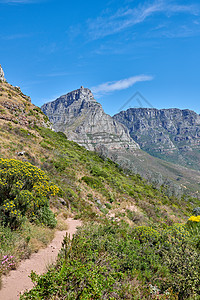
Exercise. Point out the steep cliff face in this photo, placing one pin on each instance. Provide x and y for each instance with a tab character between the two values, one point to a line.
171	134
83	120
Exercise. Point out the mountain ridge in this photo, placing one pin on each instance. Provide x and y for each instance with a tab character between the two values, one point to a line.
170	134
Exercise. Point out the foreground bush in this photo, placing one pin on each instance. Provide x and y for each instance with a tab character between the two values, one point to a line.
116	262
24	192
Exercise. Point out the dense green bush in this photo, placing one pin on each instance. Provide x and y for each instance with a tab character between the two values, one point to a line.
46	217
97	171
92	182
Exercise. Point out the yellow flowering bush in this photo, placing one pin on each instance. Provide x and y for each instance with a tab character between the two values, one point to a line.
24	191
176	231
194	219
146	233
193	225
169	236
11	213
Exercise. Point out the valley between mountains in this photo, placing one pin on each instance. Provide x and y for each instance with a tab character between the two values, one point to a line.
132	180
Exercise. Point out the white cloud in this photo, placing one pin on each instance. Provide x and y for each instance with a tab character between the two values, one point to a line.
122	84
128	17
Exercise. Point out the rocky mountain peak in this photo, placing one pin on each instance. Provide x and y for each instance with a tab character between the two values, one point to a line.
81	94
2	78
83	120
85	92
78	95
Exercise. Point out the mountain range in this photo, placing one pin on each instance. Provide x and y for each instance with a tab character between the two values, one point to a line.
161	145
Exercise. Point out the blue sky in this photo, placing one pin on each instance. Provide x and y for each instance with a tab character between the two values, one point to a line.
116	48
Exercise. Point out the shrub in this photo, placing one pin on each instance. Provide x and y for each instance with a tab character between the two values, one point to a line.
196	211
46	145
110	197
8	262
108	205
193	225
133	216
97	171
194	218
184	264
24	190
92	182
47	217
10	215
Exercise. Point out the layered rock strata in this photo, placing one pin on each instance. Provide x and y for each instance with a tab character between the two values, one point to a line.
84	121
171	134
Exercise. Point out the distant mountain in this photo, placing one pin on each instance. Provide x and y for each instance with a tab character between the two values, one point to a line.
170	134
84	121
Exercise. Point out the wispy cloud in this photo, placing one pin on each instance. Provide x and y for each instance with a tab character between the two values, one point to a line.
127	17
122	84
179	32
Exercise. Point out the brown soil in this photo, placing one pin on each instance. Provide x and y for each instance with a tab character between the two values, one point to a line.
18	281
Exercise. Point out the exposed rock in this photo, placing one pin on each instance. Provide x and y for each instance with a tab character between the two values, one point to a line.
171	134
99	202
17	108
2	78
62	201
21	153
83	120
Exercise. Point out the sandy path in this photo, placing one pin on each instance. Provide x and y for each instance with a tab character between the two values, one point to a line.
18	281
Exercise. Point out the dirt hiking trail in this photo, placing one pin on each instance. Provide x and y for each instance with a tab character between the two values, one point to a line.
18	281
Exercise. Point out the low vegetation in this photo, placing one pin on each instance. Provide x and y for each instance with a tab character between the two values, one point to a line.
115	261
